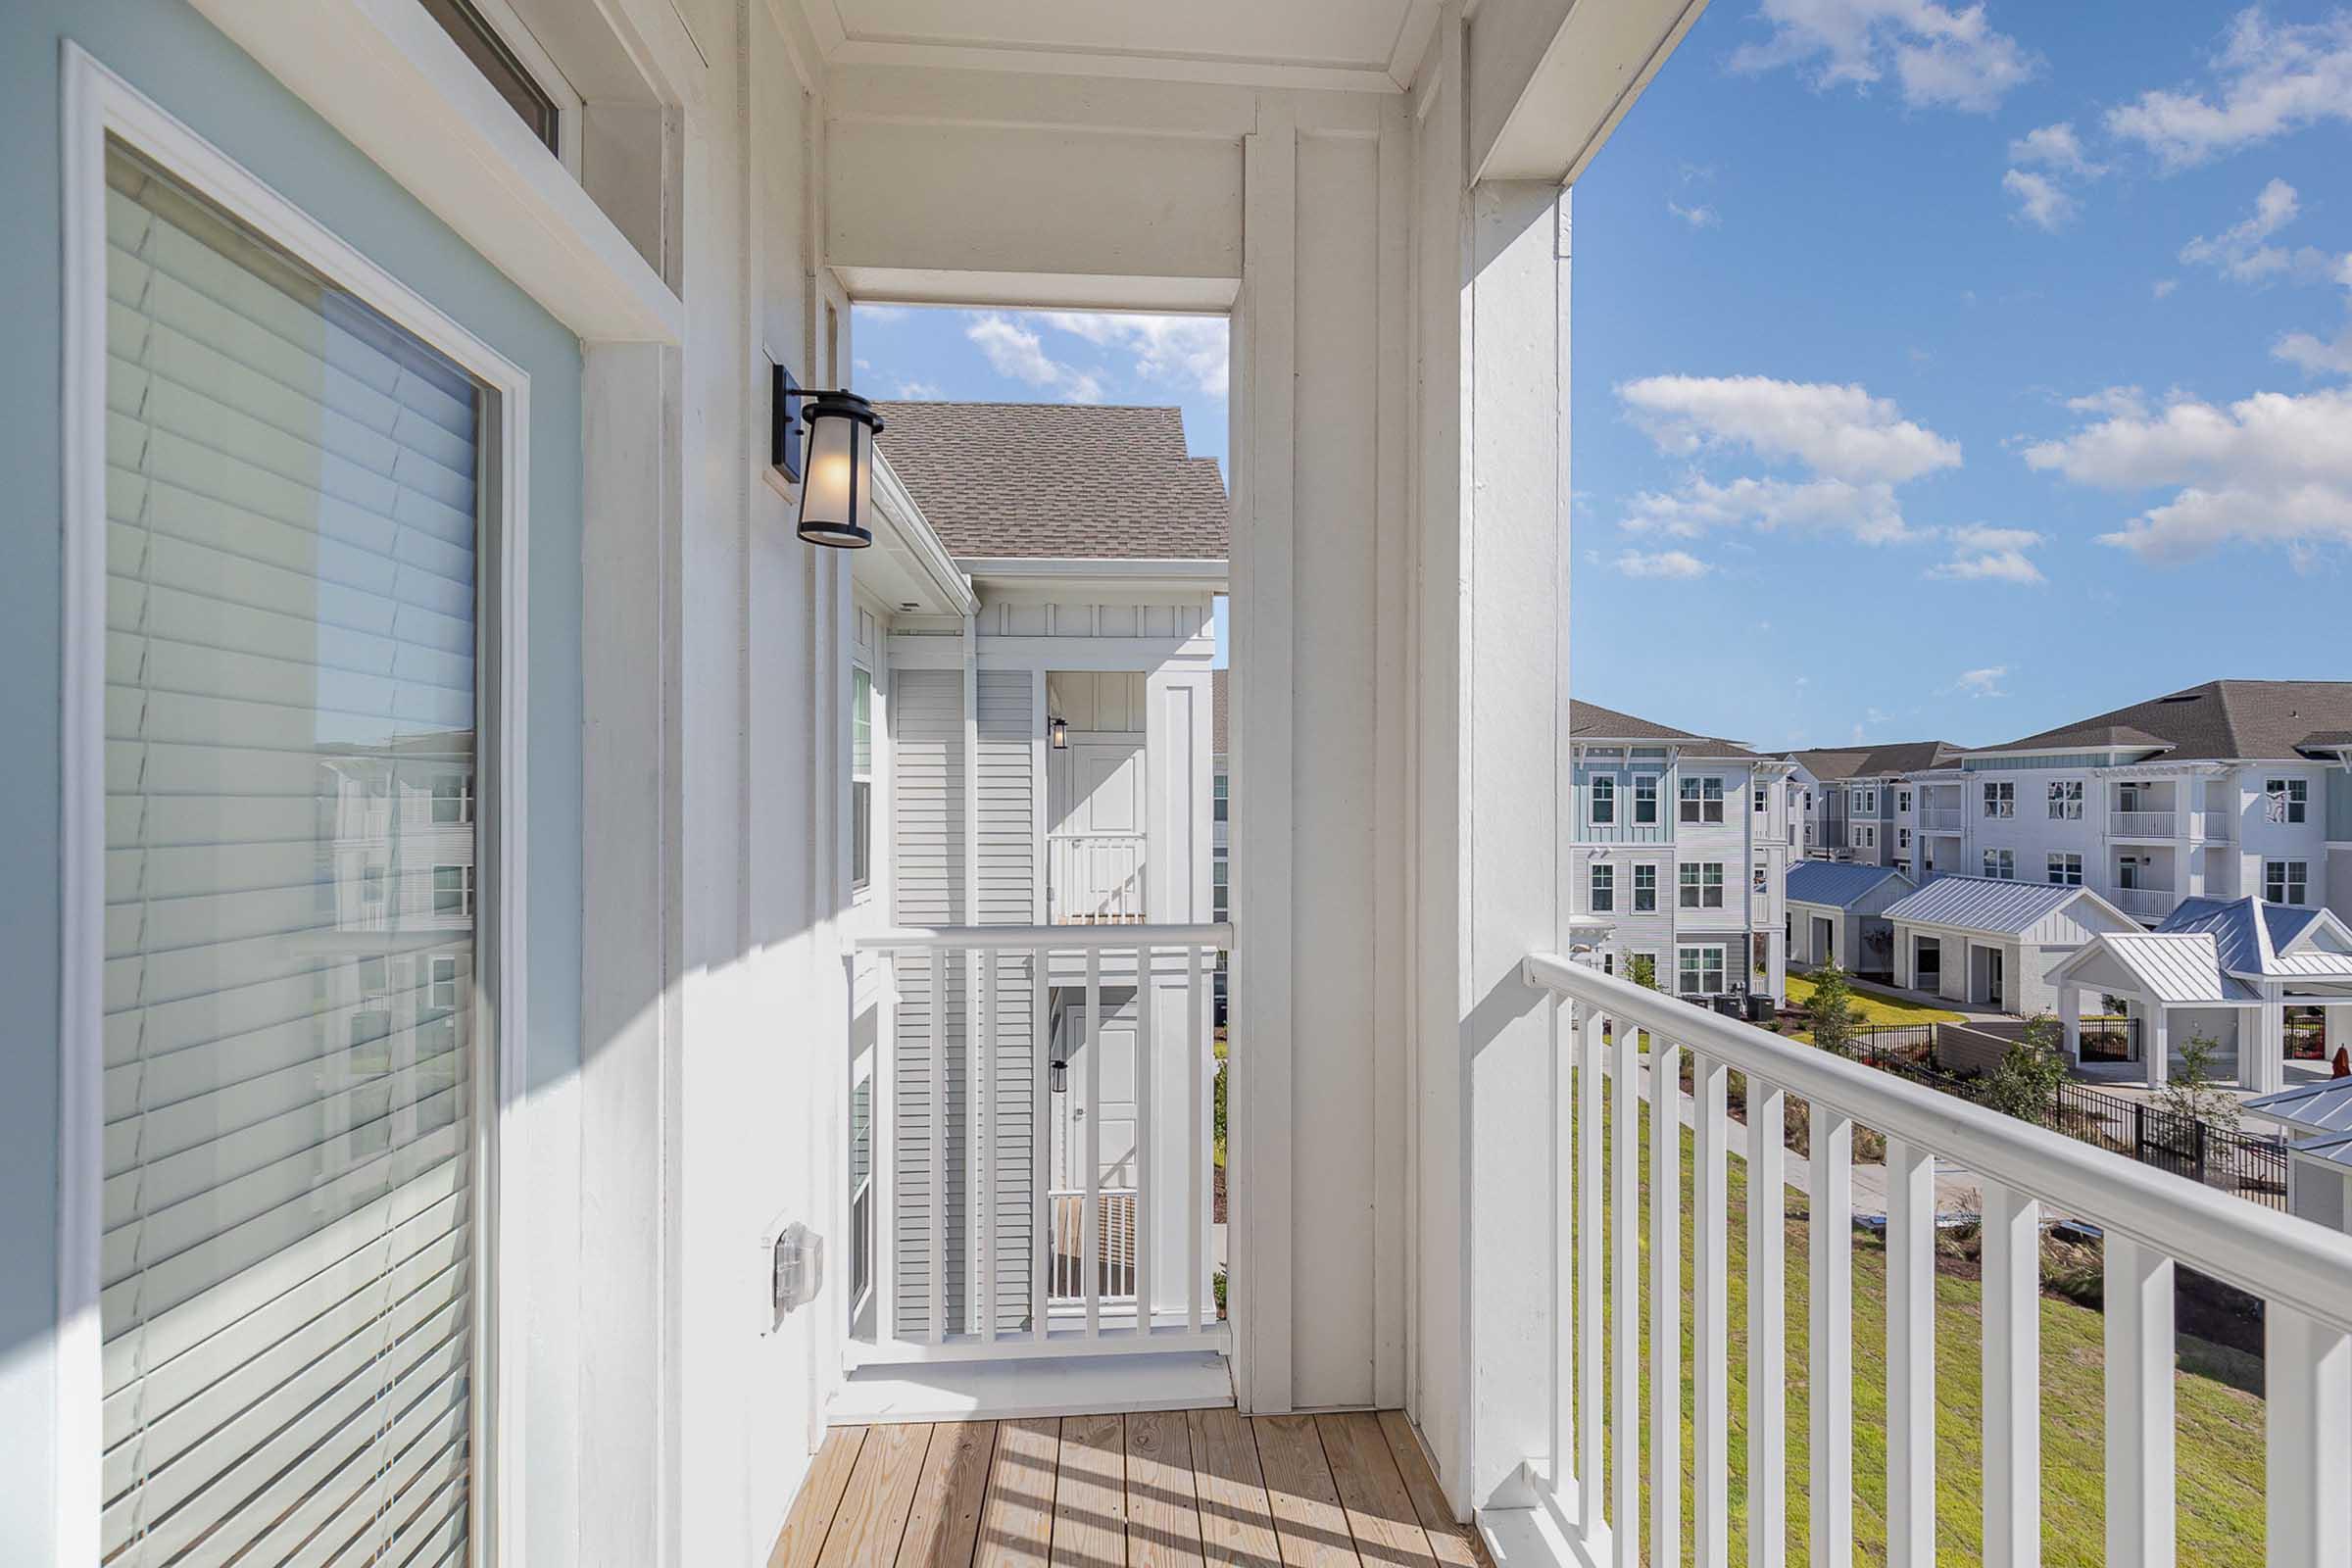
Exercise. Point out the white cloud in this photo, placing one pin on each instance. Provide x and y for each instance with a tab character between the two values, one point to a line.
1854	449
2040	200
1190	351
2318	356
2267	80
2275	468
1679	564
1940	56
1992	555
1839	431
1701	216
2111	400
2055	147
2163	287
1012	350
916	391
2243	252
1986	682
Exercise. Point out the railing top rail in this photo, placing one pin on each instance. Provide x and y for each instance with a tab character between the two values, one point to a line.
1096	833
1063	938
2294	1261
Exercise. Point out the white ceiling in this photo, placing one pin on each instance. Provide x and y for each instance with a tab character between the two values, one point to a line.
1359	44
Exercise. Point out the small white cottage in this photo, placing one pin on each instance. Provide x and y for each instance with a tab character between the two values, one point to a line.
1837	915
1990	943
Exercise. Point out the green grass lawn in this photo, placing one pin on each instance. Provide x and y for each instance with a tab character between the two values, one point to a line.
1875	1008
2219	1445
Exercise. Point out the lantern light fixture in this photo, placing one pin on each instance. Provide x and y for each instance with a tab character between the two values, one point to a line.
837	486
1059	728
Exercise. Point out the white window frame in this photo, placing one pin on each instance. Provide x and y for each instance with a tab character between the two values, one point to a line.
538	64
1602	800
2065	868
2066	800
1723	968
863	889
1652	908
1698	885
1645	796
2292	876
1697	801
1903	800
2000	798
2000	865
2293	795
1601	888
97	104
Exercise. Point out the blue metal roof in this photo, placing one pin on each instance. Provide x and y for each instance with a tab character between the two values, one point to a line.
1838	884
2324	1107
1985	904
2251	934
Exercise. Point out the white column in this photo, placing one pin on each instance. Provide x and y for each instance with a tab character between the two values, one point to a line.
2155	1044
2262	1058
1776	960
2069	1014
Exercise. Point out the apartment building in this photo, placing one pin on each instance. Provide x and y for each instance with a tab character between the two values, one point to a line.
1864	804
1683	849
2226	790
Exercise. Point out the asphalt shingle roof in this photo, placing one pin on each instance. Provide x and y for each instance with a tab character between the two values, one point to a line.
1838	884
2222	718
1985	904
1834	763
1059	480
1591	720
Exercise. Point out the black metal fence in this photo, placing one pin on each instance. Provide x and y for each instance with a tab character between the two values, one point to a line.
2189	1147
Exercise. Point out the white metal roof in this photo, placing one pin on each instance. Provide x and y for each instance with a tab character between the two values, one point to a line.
2322	1107
2251	933
1990	905
2336	1151
1835	884
2177	969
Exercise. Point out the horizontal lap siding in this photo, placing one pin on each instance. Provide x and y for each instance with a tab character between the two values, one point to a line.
928	826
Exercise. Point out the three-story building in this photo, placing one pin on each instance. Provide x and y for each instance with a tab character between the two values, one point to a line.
1683	849
1866	802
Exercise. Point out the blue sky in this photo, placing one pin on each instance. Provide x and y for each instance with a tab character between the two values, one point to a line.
1939	372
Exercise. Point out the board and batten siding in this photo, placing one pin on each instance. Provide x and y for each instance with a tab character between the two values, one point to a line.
929	825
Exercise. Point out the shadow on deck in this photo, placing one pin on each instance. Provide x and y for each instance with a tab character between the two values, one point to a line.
1174	1489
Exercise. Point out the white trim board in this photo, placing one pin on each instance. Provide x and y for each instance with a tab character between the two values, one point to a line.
96	104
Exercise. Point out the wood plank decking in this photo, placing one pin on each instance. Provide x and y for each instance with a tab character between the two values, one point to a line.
1178	1488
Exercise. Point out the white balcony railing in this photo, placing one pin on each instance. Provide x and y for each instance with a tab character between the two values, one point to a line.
2151	1221
2149	903
1940	819
2221	826
1094	878
999	1156
2143	824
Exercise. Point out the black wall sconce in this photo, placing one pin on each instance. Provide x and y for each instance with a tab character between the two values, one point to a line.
1058	728
838	486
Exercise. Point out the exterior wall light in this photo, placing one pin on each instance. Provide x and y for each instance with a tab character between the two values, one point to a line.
839	484
1059	728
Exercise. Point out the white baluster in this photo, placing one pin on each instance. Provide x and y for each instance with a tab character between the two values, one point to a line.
1040	1144
884	1112
939	1143
1140	1228
1767	1326
1625	1297
1665	1303
1196	1195
2012	1307
1711	1300
981	1209
1090	1224
1589	1255
2307	1431
1830	1344
2139	1354
1910	1356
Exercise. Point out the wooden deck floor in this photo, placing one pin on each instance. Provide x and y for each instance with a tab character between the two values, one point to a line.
1180	1488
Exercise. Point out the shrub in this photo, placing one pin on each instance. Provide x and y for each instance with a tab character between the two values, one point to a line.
1831	1012
2031	1073
2189	1089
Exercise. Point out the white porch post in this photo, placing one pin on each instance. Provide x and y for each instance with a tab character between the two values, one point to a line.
2069	1014
2157	1047
1776	978
2262	1060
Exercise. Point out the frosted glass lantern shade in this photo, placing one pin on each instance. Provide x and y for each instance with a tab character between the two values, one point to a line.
837	491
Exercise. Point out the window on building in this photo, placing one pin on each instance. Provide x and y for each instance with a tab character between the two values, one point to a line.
1762	882
1220	872
2286	881
2287	799
1645	889
1698	972
2000	800
1866	802
1866	837
1902	837
453	891
445	985
2066	870
1903	800
2065	800
1702	885
2001	864
1702	800
494	55
1604	889
1646	800
1604	799
1221	797
862	777
2132	871
452	799
1763	799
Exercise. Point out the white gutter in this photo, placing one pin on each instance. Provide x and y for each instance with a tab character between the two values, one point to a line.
1137	571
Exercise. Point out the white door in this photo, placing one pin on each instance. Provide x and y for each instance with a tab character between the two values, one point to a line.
1096	801
1112	1106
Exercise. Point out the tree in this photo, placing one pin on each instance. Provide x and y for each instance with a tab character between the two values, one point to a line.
2190	1090
2026	1084
1643	970
1831	1013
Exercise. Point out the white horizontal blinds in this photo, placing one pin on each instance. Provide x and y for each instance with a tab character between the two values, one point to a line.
288	1239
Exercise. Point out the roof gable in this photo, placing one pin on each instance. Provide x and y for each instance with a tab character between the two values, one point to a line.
1838	884
2000	907
1059	480
2273	941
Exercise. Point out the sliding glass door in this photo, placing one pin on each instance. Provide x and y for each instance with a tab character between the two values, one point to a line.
290	1225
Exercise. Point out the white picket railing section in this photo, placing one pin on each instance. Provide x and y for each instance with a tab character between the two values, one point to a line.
1113	1268
2151	903
1094	878
2143	824
2151	1221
